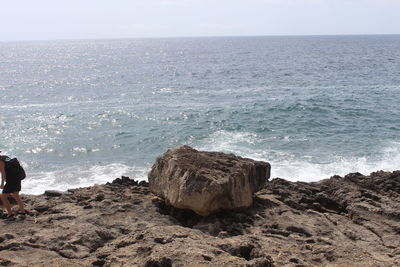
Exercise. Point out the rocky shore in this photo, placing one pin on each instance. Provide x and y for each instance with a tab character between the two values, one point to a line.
342	221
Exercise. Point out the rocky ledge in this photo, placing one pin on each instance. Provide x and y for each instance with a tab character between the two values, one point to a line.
342	221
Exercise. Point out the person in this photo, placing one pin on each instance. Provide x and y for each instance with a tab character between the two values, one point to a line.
11	187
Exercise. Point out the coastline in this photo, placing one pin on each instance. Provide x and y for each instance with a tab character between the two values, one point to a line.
341	221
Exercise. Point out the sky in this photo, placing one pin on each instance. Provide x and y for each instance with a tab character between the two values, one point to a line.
23	20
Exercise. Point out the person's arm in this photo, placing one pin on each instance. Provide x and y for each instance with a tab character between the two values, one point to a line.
3	174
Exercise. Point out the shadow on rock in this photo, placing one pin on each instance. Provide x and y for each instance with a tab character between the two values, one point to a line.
222	224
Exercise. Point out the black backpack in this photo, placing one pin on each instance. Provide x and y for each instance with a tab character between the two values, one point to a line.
13	169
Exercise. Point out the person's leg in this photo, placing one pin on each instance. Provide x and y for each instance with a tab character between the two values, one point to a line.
6	203
19	201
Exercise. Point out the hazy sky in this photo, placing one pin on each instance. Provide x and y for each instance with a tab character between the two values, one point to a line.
77	19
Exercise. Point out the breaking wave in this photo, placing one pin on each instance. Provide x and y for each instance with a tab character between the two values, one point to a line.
300	168
77	176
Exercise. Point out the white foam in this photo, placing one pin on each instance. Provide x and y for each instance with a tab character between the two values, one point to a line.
290	167
47	105
75	177
230	142
245	144
303	170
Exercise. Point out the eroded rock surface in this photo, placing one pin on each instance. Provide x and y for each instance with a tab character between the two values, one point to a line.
342	221
207	182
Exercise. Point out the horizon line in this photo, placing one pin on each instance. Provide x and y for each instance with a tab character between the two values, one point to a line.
196	37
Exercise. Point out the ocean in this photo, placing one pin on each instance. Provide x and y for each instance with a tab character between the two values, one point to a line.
78	113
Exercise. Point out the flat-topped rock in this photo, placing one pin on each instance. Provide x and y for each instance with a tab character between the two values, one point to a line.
207	182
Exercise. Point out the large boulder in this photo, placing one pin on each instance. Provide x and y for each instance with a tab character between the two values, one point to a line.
207	182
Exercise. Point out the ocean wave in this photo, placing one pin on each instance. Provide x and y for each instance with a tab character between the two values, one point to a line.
79	176
246	144
69	102
287	165
303	170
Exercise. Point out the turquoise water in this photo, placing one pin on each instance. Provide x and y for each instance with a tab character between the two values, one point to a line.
78	113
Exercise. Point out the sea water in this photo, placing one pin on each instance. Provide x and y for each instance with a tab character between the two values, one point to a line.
77	113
